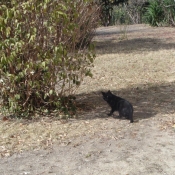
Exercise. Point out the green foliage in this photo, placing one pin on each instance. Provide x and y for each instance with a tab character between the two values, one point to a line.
160	12
113	2
107	9
41	61
120	16
169	11
154	13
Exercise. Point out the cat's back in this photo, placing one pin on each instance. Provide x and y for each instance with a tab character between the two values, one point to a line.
126	104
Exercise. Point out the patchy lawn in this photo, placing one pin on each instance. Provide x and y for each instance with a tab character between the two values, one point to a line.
138	65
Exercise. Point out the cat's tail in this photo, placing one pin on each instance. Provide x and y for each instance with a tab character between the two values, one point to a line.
131	120
131	115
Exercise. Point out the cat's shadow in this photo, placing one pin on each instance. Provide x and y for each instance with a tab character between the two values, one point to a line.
147	102
123	118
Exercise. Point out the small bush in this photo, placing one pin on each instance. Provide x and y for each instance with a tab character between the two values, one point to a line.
44	52
120	16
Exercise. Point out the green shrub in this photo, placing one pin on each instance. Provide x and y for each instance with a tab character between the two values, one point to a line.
120	16
154	13
160	13
44	52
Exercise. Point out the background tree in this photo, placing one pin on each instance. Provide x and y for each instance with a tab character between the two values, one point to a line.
107	9
169	11
154	12
134	9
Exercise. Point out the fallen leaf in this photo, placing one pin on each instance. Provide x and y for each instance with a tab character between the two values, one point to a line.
5	118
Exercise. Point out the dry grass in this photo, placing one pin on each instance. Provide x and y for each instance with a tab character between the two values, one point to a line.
140	68
146	57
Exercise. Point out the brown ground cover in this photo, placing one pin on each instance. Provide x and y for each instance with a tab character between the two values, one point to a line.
137	64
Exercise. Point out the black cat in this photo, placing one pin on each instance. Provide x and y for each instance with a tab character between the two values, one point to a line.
119	104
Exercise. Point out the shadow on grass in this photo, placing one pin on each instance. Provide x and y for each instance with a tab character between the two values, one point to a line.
147	100
107	31
133	45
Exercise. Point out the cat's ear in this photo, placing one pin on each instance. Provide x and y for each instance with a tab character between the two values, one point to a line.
103	93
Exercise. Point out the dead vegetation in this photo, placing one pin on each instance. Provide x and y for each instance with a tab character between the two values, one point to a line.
140	68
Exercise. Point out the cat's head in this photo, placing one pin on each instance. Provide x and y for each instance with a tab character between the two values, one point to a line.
107	95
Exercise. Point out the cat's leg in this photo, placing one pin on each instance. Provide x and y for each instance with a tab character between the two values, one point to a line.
120	114
111	112
127	117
